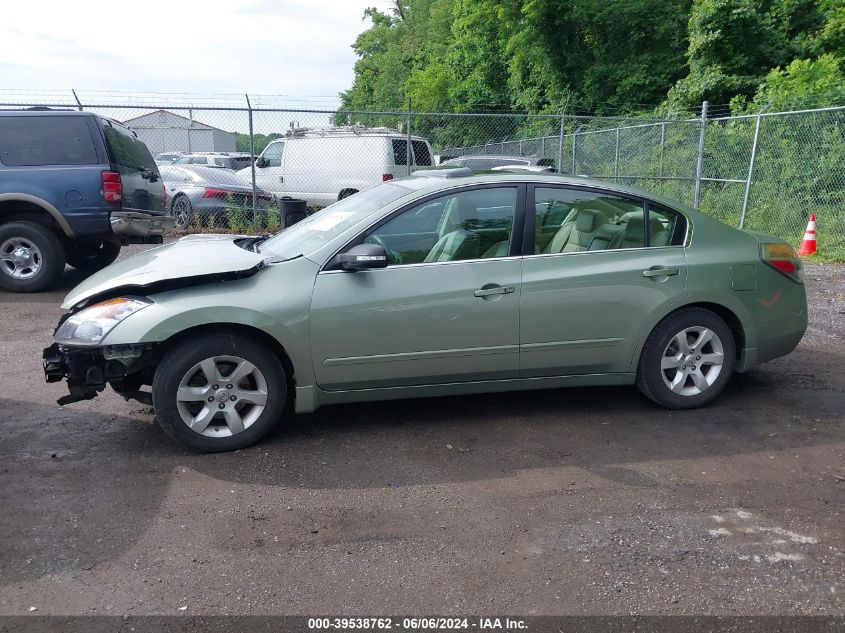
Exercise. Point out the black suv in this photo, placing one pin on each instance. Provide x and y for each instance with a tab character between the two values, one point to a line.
74	187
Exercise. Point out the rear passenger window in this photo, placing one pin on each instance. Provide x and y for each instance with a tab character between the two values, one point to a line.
46	140
127	150
400	152
666	228
570	221
422	156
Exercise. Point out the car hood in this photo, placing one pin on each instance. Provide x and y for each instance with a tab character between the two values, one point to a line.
192	259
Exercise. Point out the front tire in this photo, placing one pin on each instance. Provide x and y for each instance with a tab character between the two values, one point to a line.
31	257
221	393
687	360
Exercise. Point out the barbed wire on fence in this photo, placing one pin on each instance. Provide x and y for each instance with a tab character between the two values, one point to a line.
765	171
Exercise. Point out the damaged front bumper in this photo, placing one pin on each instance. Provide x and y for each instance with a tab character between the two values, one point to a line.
89	369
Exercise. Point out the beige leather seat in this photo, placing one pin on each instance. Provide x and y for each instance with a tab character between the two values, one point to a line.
634	234
460	242
578	234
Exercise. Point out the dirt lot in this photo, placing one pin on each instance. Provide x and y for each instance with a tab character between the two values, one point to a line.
579	501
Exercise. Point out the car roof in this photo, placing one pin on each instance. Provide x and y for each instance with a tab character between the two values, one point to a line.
497	156
38	111
434	180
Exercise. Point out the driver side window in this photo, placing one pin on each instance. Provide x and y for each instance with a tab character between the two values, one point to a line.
273	155
476	224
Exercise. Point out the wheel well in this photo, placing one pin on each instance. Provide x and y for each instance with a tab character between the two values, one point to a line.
344	193
246	330
728	317
22	210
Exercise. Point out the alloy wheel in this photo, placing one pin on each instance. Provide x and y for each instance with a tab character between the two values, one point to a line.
182	212
20	258
692	361
221	396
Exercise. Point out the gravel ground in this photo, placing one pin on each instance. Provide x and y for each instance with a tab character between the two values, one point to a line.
580	501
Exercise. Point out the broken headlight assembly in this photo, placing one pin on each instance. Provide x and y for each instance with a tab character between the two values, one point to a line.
88	327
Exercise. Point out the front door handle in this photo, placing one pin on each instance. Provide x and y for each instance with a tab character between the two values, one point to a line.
495	290
661	272
281	179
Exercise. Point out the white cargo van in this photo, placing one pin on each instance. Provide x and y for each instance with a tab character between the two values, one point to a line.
324	165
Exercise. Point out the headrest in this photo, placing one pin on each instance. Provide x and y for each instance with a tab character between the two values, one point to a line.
464	209
635	226
589	220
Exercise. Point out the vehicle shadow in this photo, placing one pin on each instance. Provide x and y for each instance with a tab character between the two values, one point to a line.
79	487
599	429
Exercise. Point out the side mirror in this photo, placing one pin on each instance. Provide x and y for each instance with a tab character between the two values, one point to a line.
261	162
363	257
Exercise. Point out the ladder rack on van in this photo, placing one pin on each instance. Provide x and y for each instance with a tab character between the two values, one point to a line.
341	130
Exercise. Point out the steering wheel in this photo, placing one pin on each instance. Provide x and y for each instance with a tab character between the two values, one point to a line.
374	238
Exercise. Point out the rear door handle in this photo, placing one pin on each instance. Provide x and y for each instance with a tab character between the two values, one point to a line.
661	272
497	290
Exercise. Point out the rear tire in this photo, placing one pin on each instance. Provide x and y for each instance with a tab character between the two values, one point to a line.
243	406
31	256
183	211
687	359
94	259
346	193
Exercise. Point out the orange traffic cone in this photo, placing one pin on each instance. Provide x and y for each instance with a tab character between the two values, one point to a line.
808	244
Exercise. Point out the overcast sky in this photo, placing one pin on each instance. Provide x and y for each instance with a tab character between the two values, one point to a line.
298	48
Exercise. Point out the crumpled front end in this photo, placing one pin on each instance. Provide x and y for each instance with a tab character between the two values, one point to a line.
126	368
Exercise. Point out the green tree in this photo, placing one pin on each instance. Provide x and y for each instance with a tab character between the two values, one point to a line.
734	43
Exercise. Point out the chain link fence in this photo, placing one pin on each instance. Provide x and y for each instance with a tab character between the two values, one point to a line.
230	161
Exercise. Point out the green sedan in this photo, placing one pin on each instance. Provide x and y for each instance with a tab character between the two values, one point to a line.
441	283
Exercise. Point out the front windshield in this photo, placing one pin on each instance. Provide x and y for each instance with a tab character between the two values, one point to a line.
318	229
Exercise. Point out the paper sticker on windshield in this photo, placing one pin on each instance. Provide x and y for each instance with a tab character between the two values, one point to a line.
330	221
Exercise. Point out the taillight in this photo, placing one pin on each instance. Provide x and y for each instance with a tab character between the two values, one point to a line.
782	258
386	177
112	187
211	192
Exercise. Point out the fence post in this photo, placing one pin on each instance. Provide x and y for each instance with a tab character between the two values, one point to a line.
190	128
409	156
252	162
750	172
699	165
616	158
560	141
78	102
662	149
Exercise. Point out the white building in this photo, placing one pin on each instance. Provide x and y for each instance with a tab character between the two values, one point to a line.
165	131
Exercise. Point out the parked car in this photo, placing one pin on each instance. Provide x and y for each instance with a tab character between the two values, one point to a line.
324	165
74	187
225	160
208	194
167	158
491	161
536	169
433	285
